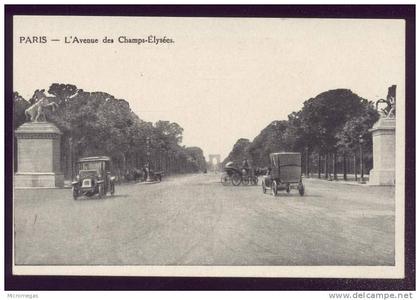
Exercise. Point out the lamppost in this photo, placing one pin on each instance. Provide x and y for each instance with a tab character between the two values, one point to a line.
361	141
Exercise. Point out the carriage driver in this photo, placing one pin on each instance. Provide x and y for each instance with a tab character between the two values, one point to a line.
245	166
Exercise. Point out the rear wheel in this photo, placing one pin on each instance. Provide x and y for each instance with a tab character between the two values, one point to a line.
236	179
274	188
301	189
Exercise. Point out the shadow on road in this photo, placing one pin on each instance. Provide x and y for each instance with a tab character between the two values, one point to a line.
85	198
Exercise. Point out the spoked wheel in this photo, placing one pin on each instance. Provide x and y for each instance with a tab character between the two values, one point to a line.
225	179
301	189
254	180
236	179
274	188
264	189
245	180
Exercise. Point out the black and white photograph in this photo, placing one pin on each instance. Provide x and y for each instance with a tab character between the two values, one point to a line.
209	146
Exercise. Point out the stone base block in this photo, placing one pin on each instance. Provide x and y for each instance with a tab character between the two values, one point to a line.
382	177
39	180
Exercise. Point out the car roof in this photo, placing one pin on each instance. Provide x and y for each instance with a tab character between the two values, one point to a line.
94	158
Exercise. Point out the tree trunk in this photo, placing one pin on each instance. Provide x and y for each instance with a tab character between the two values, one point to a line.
326	166
319	165
309	165
344	167
335	166
355	167
70	158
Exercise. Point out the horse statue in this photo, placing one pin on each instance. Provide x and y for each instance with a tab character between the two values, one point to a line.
389	111
35	112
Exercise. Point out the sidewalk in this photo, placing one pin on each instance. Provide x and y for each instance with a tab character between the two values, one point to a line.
350	180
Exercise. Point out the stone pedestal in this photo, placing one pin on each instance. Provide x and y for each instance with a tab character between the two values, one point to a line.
383	139
38	156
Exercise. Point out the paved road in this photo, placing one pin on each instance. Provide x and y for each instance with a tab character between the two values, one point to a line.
194	220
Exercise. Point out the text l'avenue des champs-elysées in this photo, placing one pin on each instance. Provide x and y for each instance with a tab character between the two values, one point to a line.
150	39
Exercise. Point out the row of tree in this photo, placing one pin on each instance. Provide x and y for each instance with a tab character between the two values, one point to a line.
331	130
96	123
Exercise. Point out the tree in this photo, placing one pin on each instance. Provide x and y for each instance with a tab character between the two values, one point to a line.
323	117
239	151
355	130
19	107
63	92
271	139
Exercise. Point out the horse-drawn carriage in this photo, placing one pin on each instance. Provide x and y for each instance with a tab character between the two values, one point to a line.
236	176
285	173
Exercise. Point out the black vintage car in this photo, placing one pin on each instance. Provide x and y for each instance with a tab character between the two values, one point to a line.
93	177
284	173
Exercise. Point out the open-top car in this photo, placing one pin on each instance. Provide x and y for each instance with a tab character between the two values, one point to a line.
284	173
93	177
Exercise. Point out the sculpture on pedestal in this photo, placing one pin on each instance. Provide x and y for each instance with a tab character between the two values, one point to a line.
38	148
389	111
35	112
383	140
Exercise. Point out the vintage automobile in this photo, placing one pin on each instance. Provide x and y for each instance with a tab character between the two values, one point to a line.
93	177
284	173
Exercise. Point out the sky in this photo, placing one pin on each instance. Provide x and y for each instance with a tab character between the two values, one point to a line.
222	78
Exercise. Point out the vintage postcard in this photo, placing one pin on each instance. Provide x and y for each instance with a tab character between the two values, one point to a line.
207	146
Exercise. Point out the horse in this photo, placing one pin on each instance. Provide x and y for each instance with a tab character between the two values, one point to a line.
36	110
389	110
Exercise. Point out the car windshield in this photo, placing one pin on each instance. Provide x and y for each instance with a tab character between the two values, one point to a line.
91	165
85	173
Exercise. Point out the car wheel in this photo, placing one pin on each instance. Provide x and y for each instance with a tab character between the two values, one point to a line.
101	191
112	189
301	189
236	179
288	188
75	193
274	188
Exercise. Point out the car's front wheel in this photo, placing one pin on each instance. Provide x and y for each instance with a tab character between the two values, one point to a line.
101	191
75	193
112	189
274	188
